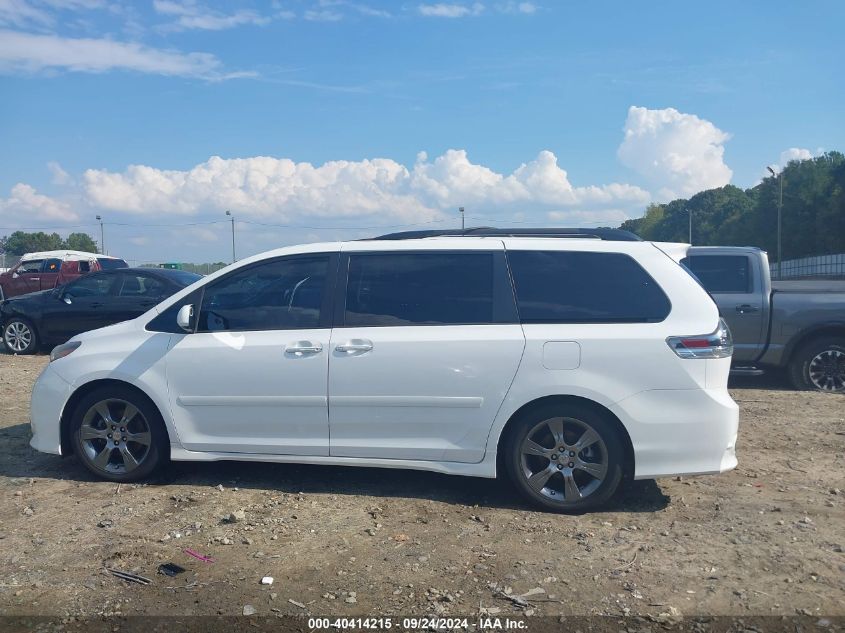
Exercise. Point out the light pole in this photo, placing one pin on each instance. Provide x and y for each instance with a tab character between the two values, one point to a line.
690	225
779	176
461	209
102	236
229	213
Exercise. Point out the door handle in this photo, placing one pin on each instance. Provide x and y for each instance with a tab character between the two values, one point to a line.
303	347
97	305
745	307
355	345
35	278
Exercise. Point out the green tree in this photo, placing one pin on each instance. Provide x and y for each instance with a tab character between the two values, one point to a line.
81	242
19	243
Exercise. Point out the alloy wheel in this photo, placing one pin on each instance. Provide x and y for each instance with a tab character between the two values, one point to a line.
115	436
18	336
564	459
827	370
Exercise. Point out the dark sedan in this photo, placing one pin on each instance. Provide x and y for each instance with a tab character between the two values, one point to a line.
53	316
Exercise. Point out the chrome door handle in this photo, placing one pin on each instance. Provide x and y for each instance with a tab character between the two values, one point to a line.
303	347
35	278
355	345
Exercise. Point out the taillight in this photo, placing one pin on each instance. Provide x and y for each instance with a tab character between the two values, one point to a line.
719	344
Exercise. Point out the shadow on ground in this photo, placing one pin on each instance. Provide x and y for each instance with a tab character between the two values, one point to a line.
18	460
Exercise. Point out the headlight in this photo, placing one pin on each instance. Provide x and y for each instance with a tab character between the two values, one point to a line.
60	351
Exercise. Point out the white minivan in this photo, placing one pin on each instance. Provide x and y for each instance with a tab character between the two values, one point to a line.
566	359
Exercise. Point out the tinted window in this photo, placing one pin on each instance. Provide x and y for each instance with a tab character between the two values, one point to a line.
52	265
183	277
108	263
90	286
32	266
142	286
578	287
721	273
278	295
425	289
84	266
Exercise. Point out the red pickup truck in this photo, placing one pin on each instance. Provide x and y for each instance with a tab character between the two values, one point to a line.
43	271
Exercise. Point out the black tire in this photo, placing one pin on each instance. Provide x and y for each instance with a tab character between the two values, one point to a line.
14	330
131	455
576	419
819	365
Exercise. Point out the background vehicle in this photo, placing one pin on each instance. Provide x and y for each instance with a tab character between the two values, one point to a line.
572	360
43	271
797	325
53	316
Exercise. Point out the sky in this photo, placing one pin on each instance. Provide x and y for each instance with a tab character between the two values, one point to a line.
320	120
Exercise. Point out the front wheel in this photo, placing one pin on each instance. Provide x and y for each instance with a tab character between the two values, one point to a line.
565	458
20	336
820	365
119	435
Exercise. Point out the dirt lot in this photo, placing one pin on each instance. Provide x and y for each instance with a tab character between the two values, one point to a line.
765	539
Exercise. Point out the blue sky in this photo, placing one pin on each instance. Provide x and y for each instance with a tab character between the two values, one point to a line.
330	117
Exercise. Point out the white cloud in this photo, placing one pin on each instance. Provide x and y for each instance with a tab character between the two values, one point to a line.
445	10
794	153
26	204
22	13
191	15
27	52
58	175
679	154
381	190
527	8
322	15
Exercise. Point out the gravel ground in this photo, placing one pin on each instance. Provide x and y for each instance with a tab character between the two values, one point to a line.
764	539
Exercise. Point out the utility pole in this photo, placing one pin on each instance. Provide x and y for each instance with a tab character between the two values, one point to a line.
229	213
690	225
779	176
463	227
102	236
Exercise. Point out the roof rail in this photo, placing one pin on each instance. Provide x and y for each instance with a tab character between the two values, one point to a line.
603	233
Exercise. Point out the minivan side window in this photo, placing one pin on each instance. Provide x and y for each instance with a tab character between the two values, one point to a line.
283	294
585	287
721	273
431	288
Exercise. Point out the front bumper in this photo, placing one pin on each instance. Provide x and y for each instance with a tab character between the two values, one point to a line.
681	432
49	396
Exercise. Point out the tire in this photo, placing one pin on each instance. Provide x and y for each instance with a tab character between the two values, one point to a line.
603	455
819	365
20	336
114	448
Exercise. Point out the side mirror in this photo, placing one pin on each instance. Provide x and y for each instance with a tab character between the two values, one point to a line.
185	318
66	299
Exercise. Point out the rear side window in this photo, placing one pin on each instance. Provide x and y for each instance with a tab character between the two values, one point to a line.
433	288
721	273
110	263
142	286
52	265
581	287
284	294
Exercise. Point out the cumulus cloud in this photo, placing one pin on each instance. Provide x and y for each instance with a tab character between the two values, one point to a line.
58	175
678	154
445	10
794	153
188	14
28	52
281	190
26	203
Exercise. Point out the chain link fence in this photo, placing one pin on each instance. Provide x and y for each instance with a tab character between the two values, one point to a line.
826	266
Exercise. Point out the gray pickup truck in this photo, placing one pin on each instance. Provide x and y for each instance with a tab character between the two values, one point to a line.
796	325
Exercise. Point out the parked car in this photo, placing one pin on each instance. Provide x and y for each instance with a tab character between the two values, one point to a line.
98	299
797	325
43	271
576	360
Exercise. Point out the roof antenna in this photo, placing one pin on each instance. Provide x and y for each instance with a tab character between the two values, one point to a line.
463	228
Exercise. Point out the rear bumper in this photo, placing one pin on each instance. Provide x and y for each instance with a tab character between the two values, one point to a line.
681	432
49	395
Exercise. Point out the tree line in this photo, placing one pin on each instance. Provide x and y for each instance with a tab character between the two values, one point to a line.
20	243
813	214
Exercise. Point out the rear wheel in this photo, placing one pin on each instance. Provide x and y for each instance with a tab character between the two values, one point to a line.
820	365
119	435
565	458
20	336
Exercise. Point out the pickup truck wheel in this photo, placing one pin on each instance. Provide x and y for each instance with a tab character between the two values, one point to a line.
20	336
565	459
820	365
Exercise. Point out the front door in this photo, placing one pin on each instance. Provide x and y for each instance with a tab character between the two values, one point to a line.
252	377
79	306
426	349
26	278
